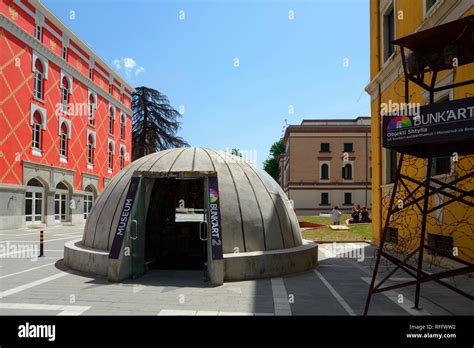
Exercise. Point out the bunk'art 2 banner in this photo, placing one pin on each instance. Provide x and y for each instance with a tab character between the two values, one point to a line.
215	219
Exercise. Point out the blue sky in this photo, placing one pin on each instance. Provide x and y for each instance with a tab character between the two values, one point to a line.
284	63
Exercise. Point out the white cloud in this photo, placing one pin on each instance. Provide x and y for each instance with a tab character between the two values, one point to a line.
139	71
129	65
117	64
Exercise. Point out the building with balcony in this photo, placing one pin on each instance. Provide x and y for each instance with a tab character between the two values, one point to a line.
65	119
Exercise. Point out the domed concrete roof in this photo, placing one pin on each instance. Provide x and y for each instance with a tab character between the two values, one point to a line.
255	212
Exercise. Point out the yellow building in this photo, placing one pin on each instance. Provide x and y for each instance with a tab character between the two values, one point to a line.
453	224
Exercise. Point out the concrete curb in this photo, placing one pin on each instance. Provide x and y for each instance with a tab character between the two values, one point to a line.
84	259
273	263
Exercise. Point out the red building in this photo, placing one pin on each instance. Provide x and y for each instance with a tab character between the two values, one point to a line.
65	119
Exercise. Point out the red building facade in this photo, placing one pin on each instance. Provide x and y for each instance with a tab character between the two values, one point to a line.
65	119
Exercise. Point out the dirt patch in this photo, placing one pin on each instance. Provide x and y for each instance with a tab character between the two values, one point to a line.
310	224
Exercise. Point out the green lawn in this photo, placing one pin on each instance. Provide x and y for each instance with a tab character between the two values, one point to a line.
321	219
325	234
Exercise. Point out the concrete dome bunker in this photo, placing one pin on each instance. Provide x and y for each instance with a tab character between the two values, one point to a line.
191	207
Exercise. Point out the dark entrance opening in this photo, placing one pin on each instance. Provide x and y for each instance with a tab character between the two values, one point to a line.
176	228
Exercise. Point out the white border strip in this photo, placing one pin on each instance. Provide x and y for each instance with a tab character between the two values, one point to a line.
338	297
32	284
26	270
65	309
280	297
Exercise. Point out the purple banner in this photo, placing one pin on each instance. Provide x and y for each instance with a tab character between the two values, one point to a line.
215	219
124	217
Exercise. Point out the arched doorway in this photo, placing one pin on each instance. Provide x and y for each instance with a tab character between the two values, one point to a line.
61	206
89	198
34	202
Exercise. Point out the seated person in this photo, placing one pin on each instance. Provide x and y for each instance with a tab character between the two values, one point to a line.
365	215
355	215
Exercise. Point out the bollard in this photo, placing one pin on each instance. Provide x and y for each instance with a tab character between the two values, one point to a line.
41	243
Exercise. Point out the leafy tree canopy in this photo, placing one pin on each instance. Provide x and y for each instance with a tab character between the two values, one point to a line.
236	152
155	123
270	165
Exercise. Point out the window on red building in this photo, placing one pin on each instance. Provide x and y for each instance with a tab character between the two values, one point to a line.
65	94
111	156
37	136
90	149
122	158
38	32
39	79
63	141
92	107
122	126
111	120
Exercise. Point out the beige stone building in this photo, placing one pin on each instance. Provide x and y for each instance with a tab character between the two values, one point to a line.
327	163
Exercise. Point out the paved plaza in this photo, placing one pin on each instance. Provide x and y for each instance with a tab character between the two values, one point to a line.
44	286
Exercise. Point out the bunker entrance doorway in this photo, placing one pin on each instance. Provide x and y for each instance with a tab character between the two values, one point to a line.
176	225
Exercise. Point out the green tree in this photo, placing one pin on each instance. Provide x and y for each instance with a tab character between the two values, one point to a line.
270	165
236	152
155	123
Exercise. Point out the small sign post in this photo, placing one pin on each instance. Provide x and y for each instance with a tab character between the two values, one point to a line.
41	243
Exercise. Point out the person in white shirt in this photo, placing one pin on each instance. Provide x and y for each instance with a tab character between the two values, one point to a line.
336	214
